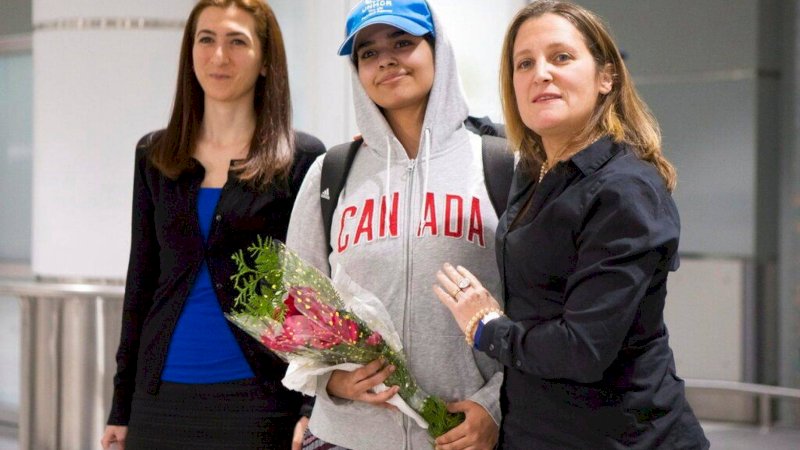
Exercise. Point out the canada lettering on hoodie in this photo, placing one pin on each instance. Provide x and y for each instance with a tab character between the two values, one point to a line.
455	217
396	221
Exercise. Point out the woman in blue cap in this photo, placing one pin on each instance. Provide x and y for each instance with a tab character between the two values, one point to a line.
414	197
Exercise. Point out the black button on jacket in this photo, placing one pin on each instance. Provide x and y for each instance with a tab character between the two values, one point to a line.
167	250
584	268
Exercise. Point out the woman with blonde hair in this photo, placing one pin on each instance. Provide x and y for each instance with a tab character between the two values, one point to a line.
225	170
584	249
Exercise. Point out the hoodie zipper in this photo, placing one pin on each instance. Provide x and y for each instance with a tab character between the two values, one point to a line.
410	171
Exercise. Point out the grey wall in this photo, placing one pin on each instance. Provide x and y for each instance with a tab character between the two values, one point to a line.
697	69
15	17
16	135
788	310
721	77
16	92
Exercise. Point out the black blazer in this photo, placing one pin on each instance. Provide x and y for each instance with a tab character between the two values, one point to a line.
584	268
167	250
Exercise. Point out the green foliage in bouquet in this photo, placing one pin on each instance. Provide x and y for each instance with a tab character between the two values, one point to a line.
260	286
439	419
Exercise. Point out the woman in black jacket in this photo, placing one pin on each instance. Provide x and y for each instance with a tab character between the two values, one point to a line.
584	249
225	170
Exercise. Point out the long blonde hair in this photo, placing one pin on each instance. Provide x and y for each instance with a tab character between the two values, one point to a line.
621	113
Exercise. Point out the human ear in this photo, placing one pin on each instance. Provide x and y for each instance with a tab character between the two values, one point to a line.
606	79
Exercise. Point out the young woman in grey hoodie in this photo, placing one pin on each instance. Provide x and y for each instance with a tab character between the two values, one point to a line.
414	198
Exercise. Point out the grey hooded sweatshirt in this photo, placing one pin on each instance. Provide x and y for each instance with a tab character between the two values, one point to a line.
397	221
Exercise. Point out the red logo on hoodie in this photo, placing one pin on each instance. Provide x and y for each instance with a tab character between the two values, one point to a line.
448	215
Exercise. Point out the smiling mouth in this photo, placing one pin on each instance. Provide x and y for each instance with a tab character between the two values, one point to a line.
546	98
392	78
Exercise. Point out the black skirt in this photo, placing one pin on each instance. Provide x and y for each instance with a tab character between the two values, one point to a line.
232	415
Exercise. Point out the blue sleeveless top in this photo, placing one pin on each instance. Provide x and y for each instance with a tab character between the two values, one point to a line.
203	349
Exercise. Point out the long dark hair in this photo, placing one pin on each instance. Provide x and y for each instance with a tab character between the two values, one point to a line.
621	113
271	148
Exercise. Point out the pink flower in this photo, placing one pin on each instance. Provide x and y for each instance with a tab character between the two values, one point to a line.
291	309
309	323
306	301
374	339
299	332
302	329
344	327
280	342
325	316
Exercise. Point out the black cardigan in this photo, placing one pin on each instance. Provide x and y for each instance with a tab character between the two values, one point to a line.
584	268
167	250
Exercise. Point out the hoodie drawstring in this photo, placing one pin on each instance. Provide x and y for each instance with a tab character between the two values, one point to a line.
425	154
386	219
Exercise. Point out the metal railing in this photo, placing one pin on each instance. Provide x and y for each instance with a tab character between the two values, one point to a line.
68	339
765	394
60	290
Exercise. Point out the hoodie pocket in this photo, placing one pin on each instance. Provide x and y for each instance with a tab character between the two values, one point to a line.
444	366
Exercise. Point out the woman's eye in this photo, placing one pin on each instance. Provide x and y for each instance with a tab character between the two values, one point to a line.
562	57
238	42
403	43
366	54
205	40
524	64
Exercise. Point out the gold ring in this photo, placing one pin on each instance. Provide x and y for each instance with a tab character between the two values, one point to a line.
455	292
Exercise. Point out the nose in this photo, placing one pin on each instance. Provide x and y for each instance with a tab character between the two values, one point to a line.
220	55
543	72
386	59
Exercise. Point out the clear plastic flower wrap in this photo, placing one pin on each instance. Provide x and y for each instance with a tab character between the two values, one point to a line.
317	325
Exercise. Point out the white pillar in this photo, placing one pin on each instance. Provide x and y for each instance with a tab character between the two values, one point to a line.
476	29
104	74
318	77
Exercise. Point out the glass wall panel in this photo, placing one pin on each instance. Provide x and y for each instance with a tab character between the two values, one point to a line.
16	88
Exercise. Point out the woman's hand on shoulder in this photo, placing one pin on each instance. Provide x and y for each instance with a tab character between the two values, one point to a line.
463	295
358	384
114	434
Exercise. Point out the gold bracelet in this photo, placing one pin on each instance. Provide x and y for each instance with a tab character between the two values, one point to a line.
469	330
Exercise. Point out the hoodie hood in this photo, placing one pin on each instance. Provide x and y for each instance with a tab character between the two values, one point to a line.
445	114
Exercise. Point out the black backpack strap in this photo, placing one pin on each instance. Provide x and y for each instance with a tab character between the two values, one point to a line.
484	126
498	170
335	167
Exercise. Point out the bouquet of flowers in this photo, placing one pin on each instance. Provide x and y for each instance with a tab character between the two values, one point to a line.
300	315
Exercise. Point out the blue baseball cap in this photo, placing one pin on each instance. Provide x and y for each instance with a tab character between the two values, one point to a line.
412	16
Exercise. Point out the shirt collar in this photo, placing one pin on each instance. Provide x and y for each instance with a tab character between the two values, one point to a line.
590	159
